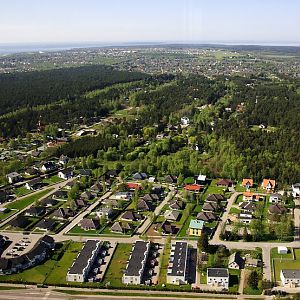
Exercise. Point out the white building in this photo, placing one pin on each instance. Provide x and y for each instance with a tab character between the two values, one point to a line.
218	277
275	198
185	121
66	173
82	265
137	262
282	250
176	273
296	190
290	278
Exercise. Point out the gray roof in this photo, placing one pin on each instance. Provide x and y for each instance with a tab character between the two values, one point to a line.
179	259
135	265
217	272
291	274
82	259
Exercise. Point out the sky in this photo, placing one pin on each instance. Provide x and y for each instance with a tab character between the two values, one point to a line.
124	21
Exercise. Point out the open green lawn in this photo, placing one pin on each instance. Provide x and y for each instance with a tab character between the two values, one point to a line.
164	262
7	214
183	230
234	210
21	191
238	199
297	253
53	179
117	265
284	264
59	272
274	254
20	204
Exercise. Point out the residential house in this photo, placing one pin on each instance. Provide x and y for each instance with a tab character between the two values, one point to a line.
195	188
85	172
275	198
111	203
131	216
66	173
89	224
277	209
167	228
63	213
207	216
82	265
290	278
177	268
210	207
253	262
151	197
80	203
170	179
63	160
14	177
200	179
296	190
104	211
34	184
139	176
19	222
282	250
97	188
215	198
132	186
49	166
45	225
35	211
245	218
236	261
172	215
269	185
226	183
123	195
176	204
120	227
143	205
247	207
196	227
218	277
4	196
112	173
249	196
247	183
185	121
31	171
60	195
137	262
87	195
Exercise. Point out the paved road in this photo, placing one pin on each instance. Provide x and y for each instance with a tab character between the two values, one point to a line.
297	220
86	212
55	187
216	237
156	212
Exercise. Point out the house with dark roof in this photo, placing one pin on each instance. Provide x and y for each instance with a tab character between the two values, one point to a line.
35	211
172	215
143	205
225	183
177	268
247	206
167	228
48	202
80	203
140	176
19	222
34	184
176	204
60	194
45	224
131	216
49	166
4	196
277	209
236	261
137	262
63	213
83	263
151	197
207	216
217	277
87	195
97	188
210	206
215	198
89	224
85	172
171	179
66	173
112	173
290	278
14	177
120	227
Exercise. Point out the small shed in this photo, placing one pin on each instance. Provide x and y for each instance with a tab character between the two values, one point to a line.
282	250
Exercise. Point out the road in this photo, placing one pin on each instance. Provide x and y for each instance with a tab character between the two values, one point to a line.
86	212
297	220
156	212
55	188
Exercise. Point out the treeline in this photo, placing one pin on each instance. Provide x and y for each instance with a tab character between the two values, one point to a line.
20	90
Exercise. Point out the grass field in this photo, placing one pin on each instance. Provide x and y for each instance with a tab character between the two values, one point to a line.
21	191
284	264
117	265
53	179
20	204
274	254
7	214
234	210
162	279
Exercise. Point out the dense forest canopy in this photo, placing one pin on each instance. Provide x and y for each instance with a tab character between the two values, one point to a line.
20	90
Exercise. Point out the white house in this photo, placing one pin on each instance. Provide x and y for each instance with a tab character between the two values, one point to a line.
275	198
290	278
218	277
177	269
104	211
13	177
66	173
296	190
136	264
185	121
82	265
122	196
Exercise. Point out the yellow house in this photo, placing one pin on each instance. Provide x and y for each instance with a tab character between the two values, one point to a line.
196	227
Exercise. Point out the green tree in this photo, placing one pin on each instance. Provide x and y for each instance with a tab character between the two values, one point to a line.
253	280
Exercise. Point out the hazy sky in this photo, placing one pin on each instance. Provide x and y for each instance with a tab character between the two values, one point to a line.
42	21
